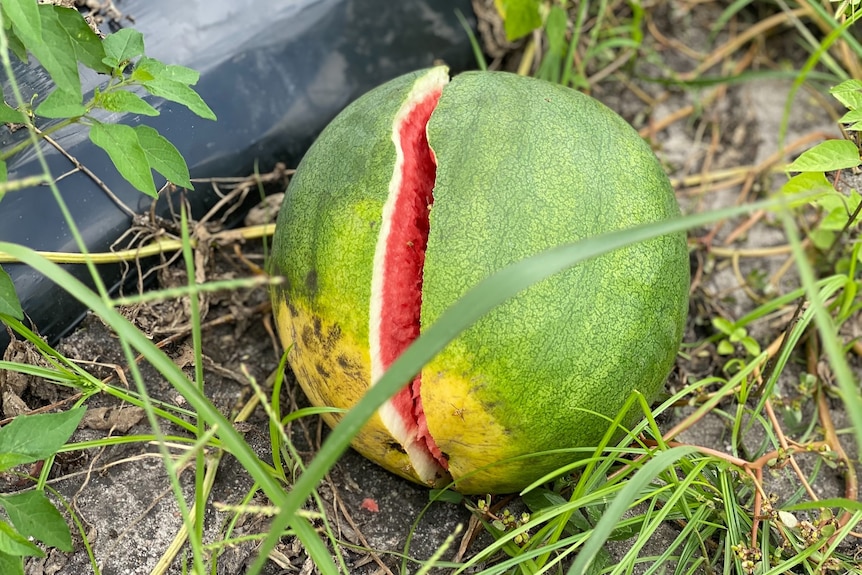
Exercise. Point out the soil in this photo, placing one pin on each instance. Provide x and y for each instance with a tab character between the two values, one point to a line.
121	493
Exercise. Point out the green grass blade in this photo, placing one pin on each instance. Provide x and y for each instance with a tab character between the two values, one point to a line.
196	535
474	42
839	502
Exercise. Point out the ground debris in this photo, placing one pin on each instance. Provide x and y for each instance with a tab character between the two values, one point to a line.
120	419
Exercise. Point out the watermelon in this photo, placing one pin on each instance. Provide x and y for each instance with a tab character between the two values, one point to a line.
422	188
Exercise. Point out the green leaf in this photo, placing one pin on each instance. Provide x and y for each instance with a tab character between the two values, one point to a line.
122	46
61	104
722	325
10	115
738	334
155	69
172	83
807	182
14	543
520	17
33	515
852	117
724	347
822	239
24	15
17	46
751	346
841	207
180	93
182	74
827	156
125	101
4	177
65	40
122	145
848	93
57	55
141	74
163	157
831	202
11	564
67	22
14	43
9	304
33	437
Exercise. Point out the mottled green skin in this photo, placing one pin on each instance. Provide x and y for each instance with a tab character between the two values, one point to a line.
524	165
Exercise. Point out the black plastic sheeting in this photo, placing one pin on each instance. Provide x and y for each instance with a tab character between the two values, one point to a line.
273	71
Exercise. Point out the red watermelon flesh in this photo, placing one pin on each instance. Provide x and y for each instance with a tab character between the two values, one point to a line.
403	261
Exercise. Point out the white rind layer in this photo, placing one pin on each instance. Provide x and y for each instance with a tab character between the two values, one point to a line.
425	465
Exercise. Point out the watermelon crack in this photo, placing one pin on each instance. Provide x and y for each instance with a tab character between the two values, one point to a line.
398	272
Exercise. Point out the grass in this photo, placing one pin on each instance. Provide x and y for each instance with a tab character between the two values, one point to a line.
744	503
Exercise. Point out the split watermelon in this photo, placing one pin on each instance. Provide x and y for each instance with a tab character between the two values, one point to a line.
422	188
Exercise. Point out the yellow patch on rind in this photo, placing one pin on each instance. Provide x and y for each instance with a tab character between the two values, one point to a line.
467	433
333	370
